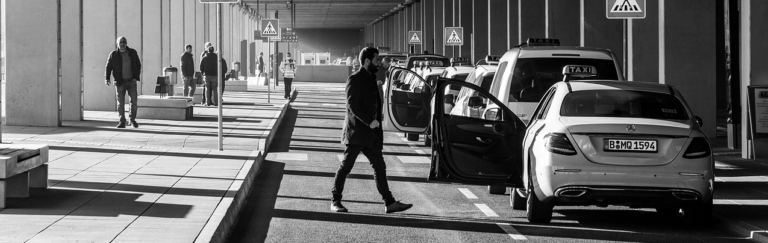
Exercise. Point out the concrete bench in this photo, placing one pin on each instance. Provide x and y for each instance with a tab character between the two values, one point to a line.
197	99
22	166
236	85
176	108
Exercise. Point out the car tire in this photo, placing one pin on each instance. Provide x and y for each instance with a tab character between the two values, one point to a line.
538	211
413	136
667	211
497	190
517	201
698	215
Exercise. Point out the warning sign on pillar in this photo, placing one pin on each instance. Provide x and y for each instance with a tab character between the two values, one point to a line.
453	36
270	28
625	9
414	37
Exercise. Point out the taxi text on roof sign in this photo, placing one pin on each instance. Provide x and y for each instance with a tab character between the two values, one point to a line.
453	36
579	70
269	28
459	59
492	58
542	42
414	37
625	9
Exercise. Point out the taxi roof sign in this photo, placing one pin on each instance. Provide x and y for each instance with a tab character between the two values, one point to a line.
542	42
492	59
459	59
582	71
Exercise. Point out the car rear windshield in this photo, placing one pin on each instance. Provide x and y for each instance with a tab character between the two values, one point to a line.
532	77
623	103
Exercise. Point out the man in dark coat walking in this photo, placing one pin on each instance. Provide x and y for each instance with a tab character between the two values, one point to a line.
124	65
363	133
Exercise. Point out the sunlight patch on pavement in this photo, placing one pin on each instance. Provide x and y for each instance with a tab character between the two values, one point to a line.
414	159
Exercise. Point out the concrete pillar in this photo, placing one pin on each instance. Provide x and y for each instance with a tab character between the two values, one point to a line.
129	25
226	33
448	14
465	17
690	40
200	37
99	34
166	32
418	25
211	22
513	23
497	27
564	21
533	19
176	28
645	39
480	30
600	31
439	27
71	61
152	55
190	31
31	62
408	26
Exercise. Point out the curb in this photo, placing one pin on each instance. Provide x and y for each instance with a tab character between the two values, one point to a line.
224	217
743	229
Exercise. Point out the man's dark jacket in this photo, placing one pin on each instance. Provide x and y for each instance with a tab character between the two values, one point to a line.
114	65
363	107
187	65
208	65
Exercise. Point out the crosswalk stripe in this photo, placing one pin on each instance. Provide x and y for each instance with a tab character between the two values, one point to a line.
467	193
414	159
511	231
299	103
419	151
292	156
486	210
360	158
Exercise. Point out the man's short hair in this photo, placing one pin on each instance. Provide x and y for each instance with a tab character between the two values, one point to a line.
210	49
208	44
188	46
117	41
367	53
261	53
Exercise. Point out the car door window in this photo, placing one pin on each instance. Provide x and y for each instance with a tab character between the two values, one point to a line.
541	106
548	103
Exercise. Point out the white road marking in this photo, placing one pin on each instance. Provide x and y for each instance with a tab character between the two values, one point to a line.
292	156
486	210
419	151
414	159
467	193
511	231
360	158
412	145
299	103
405	139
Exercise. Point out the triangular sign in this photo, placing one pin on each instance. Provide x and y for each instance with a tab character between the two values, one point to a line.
415	38
626	6
454	38
269	30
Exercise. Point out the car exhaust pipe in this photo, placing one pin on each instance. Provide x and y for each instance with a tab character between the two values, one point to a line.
572	192
685	196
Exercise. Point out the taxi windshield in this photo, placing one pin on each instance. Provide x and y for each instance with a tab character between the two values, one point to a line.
532	77
623	103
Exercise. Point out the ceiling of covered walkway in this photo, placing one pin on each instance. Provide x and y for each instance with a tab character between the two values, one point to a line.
317	14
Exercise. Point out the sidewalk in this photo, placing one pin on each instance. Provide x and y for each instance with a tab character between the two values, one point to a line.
741	192
165	181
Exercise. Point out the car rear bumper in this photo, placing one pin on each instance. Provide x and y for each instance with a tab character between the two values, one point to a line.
628	196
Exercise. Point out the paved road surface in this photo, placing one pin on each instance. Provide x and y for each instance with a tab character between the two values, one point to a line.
291	198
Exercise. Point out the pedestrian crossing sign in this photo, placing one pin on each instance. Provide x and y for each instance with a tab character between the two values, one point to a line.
453	36
625	9
414	37
270	27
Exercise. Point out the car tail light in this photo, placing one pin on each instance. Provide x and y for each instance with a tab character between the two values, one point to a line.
559	143
698	148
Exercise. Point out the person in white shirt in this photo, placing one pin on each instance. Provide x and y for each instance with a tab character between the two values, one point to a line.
288	67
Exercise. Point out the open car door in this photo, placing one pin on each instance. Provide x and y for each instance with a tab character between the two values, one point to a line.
407	100
480	145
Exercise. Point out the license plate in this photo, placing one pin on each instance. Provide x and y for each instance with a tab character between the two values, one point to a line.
630	145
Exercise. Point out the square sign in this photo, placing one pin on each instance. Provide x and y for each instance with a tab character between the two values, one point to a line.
270	28
625	9
414	37
453	36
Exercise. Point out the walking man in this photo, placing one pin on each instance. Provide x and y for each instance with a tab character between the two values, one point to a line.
188	71
288	67
124	65
261	63
208	68
362	133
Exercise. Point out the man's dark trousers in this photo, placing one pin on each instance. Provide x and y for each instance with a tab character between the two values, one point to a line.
287	83
379	171
130	88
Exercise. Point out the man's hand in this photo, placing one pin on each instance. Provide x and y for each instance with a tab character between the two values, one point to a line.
107	82
375	124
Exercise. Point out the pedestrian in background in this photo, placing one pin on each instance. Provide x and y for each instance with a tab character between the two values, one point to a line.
188	71
124	65
362	132
205	51
261	63
382	75
224	75
288	67
208	68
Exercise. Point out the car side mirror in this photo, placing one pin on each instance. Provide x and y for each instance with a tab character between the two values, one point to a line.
699	121
493	114
448	99
475	101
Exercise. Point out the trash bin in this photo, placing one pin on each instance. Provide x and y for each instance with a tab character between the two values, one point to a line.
173	78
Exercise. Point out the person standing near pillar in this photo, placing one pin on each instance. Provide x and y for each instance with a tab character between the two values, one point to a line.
208	67
188	71
124	65
362	132
288	68
205	51
261	63
224	75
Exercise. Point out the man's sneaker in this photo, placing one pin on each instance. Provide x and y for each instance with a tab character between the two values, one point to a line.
135	124
337	207
397	207
120	125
